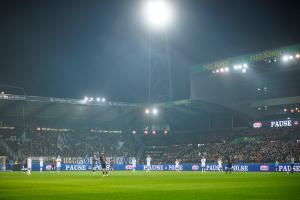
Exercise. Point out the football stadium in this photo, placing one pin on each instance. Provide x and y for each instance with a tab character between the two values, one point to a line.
235	136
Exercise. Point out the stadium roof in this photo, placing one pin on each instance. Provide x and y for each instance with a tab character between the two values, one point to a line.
47	111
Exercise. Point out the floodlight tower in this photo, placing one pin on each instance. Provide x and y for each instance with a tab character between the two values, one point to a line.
158	16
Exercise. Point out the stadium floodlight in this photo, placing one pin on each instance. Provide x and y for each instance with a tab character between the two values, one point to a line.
154	111
285	58
147	111
103	99
158	13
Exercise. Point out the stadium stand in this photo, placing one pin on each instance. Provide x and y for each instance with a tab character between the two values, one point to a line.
246	107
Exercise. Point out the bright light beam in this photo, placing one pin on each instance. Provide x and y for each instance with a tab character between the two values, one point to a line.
158	13
154	111
147	111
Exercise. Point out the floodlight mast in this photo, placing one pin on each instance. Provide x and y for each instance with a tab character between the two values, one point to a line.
158	16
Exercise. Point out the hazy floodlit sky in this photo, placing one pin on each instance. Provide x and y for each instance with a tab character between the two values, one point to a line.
77	48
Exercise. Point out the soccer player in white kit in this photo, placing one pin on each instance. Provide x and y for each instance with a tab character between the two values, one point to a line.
203	161
220	165
29	165
41	163
148	163
133	162
177	168
58	164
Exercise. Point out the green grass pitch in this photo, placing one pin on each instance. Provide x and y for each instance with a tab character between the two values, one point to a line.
154	185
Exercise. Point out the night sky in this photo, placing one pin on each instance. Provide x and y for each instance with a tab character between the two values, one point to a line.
72	48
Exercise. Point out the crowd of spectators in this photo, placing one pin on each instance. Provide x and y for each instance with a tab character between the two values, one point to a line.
79	143
246	145
68	144
243	146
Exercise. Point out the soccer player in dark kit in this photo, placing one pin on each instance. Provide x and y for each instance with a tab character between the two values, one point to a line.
229	166
103	164
25	165
94	163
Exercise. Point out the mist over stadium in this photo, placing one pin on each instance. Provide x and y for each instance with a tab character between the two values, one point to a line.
149	99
